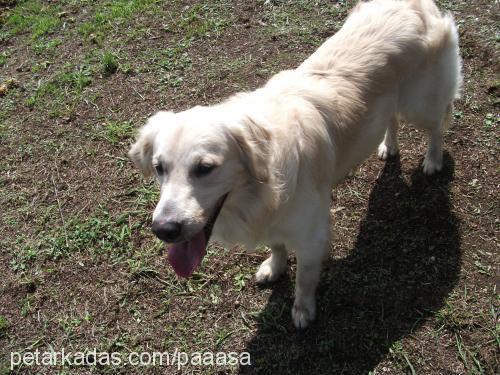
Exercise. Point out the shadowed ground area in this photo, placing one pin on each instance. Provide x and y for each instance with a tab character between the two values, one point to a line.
404	263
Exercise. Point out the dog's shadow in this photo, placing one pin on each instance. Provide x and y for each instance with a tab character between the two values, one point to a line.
405	262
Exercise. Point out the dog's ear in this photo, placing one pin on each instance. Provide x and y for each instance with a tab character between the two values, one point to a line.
141	152
253	143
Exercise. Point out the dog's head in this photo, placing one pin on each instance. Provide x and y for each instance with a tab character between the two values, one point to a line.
199	157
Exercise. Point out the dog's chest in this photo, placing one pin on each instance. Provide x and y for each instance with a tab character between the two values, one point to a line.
231	230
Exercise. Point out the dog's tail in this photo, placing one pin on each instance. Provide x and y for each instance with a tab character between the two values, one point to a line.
441	36
454	48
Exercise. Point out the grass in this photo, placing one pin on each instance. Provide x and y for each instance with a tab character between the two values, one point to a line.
285	19
33	17
402	358
3	58
176	57
4	325
409	284
47	46
203	20
468	358
109	63
114	13
98	234
490	121
60	92
117	132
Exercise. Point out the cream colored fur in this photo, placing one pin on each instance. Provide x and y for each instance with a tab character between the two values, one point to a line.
280	150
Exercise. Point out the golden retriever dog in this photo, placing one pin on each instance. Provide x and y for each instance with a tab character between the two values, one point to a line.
258	168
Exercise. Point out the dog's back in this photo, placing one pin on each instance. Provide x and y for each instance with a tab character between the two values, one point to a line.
390	56
384	40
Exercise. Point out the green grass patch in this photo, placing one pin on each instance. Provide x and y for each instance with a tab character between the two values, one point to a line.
116	132
451	317
77	80
176	57
119	11
115	13
490	121
146	195
401	357
3	58
43	26
33	16
86	28
25	255
203	20
46	46
63	88
109	63
174	61
3	127
468	357
102	233
303	19
4	324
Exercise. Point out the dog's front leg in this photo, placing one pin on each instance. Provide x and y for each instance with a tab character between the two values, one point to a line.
274	266
309	264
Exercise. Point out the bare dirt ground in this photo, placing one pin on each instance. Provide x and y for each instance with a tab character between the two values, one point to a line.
410	284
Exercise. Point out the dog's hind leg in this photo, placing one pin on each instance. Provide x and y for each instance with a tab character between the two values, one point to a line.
274	266
389	146
433	160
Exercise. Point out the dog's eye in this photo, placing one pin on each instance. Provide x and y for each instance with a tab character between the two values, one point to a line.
159	169
203	169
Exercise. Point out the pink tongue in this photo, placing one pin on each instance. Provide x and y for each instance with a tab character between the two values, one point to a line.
185	256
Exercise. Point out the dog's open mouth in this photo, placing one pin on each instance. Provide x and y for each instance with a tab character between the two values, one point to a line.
186	256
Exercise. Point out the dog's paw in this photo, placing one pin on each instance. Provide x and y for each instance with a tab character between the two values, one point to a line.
431	166
269	271
385	151
303	313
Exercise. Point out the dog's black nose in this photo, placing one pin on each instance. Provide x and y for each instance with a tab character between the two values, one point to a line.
167	231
